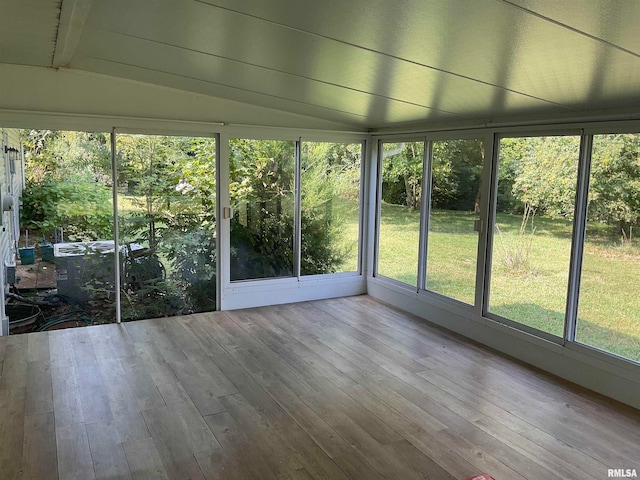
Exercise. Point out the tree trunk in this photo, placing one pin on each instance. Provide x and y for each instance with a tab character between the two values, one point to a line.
410	193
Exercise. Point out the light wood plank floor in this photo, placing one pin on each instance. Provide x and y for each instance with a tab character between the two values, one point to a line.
336	389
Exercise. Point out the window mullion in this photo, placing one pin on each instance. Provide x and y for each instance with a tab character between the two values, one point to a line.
425	209
490	228
297	217
578	237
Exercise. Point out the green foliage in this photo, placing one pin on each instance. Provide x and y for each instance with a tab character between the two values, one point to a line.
457	166
402	173
145	163
262	195
172	183
456	170
80	206
545	171
59	154
541	172
330	179
261	192
614	194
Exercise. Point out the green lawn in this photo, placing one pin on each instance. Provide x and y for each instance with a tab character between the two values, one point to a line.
535	295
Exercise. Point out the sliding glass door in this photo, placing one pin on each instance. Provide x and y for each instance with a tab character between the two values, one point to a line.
454	208
401	171
296	208
167	225
330	207
609	303
532	230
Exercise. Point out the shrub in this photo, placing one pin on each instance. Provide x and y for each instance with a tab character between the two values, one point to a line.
81	206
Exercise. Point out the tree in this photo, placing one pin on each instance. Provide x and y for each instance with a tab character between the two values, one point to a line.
171	182
402	173
542	173
455	176
60	154
614	191
67	184
261	190
545	172
146	163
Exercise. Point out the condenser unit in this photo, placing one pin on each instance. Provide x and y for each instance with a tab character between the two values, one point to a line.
80	264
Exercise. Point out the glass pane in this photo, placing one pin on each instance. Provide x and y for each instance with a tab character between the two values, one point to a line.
609	302
532	236
262	197
455	203
66	245
400	211
166	216
330	182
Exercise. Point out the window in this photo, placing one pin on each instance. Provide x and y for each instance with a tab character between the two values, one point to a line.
262	196
452	247
167	225
609	302
399	224
330	199
536	189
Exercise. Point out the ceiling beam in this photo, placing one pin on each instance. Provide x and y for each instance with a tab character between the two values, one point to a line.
73	16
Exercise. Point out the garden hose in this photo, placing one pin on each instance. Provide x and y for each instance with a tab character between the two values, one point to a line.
73	315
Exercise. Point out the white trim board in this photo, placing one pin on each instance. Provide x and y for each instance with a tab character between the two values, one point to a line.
260	293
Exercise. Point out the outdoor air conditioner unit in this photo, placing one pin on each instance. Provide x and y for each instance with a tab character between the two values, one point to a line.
81	263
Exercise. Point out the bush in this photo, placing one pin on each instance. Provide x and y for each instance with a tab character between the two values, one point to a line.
81	206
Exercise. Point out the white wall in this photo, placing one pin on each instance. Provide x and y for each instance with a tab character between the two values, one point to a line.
11	184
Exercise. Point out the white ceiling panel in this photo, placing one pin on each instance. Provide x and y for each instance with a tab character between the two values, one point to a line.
491	41
372	63
28	32
614	22
402	88
218	34
217	71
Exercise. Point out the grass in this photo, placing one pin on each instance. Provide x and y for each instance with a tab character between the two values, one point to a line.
535	296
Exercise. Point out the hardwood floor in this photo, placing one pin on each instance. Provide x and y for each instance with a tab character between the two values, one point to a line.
334	389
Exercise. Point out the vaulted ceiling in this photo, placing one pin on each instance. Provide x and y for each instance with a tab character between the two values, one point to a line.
359	63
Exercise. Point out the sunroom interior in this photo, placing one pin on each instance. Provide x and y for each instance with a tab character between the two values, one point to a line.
496	143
